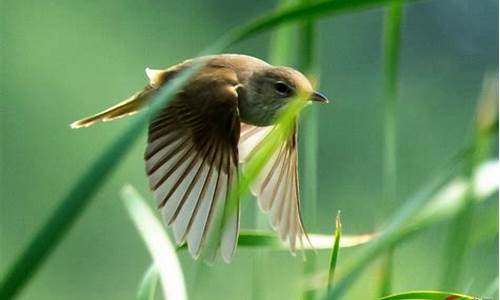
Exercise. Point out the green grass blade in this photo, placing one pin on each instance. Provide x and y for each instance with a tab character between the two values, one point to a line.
301	12
74	203
459	231
386	238
392	30
156	240
492	288
430	295
318	241
449	200
147	289
391	57
65	215
335	251
281	41
442	206
269	240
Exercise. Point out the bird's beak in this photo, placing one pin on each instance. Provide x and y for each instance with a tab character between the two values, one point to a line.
318	97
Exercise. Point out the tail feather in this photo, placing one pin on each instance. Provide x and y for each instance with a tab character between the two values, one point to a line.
125	108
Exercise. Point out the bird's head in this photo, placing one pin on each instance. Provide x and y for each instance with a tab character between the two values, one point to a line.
270	89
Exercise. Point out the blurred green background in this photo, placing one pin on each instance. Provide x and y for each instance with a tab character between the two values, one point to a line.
62	60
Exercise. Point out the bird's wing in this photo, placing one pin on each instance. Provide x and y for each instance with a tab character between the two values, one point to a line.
192	162
277	185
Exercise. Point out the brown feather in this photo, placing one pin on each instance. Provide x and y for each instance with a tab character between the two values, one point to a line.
200	127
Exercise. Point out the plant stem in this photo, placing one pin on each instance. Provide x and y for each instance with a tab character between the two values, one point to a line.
392	28
391	57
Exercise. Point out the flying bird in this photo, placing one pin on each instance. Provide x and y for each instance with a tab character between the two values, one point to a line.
197	142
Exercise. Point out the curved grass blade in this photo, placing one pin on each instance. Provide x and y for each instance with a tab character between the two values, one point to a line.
269	240
77	199
295	13
444	205
459	231
299	12
390	233
492	288
156	240
147	289
430	295
318	241
450	199
335	251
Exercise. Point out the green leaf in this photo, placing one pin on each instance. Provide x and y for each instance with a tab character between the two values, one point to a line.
78	197
431	295
335	251
163	252
392	30
458	238
147	289
269	240
281	40
492	288
386	238
296	13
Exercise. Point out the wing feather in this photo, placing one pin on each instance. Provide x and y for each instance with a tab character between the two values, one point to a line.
191	161
277	186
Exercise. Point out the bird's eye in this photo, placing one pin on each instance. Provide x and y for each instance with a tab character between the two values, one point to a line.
282	88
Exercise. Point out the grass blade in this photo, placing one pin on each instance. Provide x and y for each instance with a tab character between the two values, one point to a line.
318	241
301	12
335	251
269	240
386	238
444	205
147	289
78	198
440	208
431	295
492	288
391	58
281	42
392	30
158	244
458	238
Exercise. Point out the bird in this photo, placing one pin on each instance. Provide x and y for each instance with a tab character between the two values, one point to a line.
198	142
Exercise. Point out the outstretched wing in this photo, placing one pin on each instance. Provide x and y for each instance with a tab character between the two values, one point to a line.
277	186
192	161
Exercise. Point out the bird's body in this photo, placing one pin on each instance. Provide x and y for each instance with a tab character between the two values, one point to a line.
196	143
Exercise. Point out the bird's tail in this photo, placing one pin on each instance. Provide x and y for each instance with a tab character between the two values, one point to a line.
125	108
